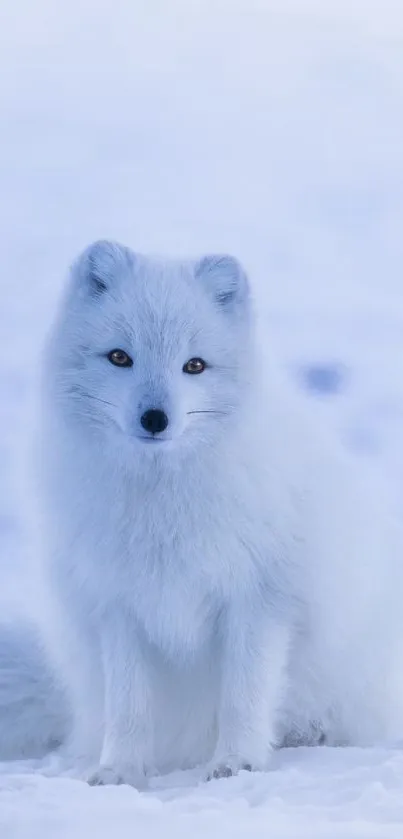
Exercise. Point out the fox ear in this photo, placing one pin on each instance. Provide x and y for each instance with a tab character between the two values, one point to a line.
226	281
98	265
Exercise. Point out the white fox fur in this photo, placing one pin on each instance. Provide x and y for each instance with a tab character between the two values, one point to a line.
219	589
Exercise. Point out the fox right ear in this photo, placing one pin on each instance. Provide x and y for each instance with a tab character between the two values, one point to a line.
98	265
225	280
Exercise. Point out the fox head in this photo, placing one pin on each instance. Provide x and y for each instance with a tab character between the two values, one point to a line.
153	352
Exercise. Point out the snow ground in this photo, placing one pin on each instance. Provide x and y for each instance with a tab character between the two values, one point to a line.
270	128
311	793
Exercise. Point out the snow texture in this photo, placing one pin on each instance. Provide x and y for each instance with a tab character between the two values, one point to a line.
272	129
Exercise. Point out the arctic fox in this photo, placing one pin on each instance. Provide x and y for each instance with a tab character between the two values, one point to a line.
218	586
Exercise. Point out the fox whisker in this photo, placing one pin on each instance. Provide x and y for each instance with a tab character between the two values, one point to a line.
222	413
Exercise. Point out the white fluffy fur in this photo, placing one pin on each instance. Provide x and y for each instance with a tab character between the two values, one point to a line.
217	593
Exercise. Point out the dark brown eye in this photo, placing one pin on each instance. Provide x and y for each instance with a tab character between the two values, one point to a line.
120	358
194	365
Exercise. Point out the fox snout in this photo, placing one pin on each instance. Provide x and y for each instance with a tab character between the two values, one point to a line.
154	421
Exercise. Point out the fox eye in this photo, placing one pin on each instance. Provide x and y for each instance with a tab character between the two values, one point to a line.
120	358
194	365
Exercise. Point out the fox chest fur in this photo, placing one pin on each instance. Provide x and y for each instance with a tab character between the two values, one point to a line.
174	557
175	554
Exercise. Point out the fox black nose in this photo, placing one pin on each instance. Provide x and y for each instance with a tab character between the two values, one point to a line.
154	421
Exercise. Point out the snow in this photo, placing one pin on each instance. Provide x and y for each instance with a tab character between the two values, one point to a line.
270	128
316	793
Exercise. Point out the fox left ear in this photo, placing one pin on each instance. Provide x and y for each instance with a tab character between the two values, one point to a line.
225	280
98	267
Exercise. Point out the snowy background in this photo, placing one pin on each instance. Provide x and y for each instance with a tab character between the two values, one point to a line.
270	128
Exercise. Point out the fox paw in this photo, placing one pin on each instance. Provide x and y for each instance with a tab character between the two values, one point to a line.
108	775
227	768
